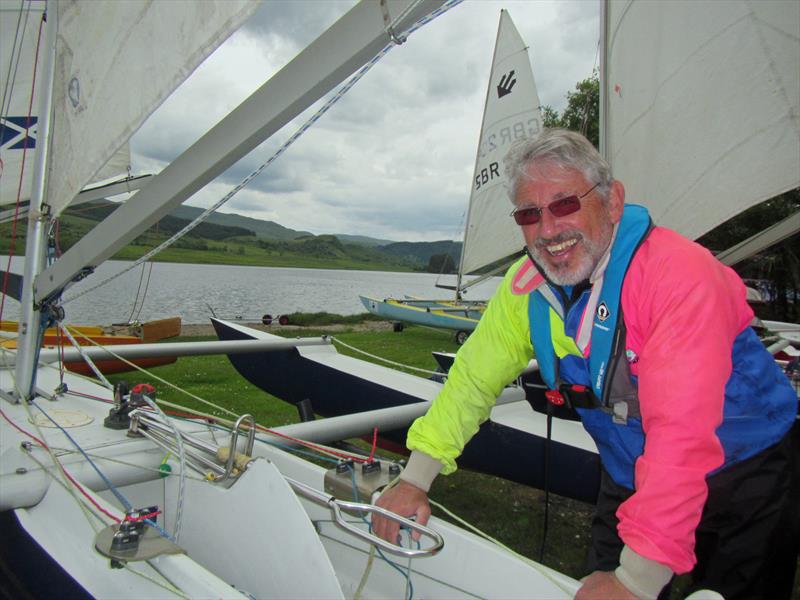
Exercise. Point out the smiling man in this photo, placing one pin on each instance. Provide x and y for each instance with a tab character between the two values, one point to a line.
692	417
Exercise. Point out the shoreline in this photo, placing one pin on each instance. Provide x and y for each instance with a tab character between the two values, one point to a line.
207	330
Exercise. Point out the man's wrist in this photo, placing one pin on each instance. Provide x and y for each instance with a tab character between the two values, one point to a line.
643	577
421	470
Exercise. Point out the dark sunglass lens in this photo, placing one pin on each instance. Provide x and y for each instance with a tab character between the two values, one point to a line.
565	206
527	216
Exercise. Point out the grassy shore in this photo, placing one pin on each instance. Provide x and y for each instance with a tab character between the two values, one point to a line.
511	513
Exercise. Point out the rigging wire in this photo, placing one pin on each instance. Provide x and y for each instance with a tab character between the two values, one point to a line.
292	139
139	291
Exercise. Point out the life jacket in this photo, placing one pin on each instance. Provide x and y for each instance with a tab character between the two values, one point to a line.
760	405
610	386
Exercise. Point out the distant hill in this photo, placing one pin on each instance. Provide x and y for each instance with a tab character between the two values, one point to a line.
230	238
269	229
362	240
263	229
100	209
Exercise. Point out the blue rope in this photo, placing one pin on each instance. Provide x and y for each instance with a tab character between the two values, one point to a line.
405	573
110	485
124	501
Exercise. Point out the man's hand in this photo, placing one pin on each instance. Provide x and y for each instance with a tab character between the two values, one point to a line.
603	585
406	500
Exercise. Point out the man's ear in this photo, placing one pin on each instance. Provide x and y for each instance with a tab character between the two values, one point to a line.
616	201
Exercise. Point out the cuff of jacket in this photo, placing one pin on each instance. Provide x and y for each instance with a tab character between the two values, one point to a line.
421	470
645	578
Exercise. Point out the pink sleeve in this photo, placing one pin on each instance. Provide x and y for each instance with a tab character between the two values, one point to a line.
683	309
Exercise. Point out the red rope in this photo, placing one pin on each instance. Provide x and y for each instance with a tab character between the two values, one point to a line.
374	443
151	515
21	172
90	396
312	446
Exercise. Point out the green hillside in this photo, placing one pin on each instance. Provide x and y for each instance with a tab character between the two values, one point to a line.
227	243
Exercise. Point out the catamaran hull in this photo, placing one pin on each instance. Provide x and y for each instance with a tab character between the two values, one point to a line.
512	444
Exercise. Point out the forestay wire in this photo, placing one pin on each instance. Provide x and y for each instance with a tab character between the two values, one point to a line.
396	40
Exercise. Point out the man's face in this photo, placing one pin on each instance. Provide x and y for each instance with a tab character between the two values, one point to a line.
568	248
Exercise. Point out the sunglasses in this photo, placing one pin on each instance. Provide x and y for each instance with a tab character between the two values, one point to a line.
560	208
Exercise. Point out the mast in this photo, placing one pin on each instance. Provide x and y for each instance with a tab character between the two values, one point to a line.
30	325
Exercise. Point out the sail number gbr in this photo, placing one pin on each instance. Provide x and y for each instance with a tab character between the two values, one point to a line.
499	139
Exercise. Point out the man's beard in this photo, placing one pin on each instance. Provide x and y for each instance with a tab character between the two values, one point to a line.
578	269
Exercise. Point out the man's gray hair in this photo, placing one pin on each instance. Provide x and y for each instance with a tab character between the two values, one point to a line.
563	148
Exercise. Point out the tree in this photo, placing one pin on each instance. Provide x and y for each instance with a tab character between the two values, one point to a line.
582	112
441	263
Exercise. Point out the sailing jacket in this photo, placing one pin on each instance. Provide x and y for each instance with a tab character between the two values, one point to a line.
706	394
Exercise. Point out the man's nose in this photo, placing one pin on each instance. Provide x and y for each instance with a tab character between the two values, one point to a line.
547	224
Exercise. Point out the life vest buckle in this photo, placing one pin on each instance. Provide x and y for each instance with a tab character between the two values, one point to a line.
577	396
554	397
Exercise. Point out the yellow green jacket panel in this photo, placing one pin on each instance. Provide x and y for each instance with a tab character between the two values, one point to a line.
491	358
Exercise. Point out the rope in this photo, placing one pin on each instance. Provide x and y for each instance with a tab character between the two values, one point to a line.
384	360
317	447
181	462
62	328
139	290
157	378
303	128
123	500
88	509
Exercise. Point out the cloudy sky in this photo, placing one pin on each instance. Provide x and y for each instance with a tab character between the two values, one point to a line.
394	158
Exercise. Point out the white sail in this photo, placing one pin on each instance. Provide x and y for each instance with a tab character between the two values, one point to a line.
701	106
105	84
512	112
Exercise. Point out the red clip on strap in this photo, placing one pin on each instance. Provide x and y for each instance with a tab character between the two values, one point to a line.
554	397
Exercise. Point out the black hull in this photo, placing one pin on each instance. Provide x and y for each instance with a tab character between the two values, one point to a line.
495	450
